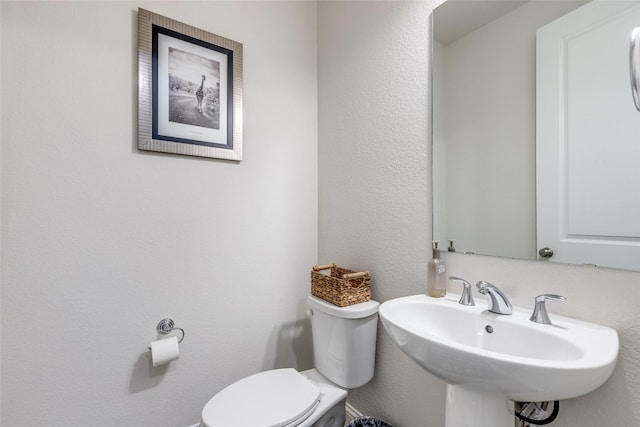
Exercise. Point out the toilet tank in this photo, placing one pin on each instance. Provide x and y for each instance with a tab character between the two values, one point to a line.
344	341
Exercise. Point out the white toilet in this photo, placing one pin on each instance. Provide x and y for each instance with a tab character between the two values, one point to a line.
344	341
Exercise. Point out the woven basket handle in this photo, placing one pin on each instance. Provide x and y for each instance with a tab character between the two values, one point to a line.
355	275
323	267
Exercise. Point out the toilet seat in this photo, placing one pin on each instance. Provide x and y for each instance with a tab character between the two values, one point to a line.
276	398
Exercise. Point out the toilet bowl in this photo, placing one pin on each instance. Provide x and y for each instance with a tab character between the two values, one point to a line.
344	341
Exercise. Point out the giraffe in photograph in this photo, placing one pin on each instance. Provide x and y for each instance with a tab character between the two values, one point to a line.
200	94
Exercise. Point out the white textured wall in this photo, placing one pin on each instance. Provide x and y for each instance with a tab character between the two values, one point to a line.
374	213
0	222
100	241
374	176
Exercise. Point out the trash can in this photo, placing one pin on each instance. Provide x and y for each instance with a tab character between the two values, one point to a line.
368	422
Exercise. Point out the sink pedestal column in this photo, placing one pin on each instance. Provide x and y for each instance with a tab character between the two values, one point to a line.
471	407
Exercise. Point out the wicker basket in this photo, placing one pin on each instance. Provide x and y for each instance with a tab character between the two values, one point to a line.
342	287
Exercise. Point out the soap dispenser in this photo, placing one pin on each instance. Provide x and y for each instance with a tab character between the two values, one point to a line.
436	274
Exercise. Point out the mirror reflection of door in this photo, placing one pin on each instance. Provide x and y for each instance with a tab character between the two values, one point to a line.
588	138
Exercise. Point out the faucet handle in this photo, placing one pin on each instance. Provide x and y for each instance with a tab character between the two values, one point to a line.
540	314
466	298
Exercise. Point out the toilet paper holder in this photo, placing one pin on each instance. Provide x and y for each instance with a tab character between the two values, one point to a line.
165	326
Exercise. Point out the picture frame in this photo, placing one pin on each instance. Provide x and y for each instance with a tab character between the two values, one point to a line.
189	90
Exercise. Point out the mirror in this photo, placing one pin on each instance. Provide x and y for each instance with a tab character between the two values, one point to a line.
484	127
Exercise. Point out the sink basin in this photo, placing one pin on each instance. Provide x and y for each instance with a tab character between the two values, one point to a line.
507	355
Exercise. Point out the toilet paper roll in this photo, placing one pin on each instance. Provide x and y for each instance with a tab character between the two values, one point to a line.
164	351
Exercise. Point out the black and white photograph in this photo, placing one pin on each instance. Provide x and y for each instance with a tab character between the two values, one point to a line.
191	86
194	89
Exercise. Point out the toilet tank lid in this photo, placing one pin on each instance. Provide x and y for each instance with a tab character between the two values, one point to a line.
355	311
275	398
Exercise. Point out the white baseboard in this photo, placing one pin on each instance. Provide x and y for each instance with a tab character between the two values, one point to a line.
351	412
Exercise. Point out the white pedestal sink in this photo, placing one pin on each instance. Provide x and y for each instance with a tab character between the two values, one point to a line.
489	360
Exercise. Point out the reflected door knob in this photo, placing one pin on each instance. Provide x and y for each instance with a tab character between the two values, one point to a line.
545	253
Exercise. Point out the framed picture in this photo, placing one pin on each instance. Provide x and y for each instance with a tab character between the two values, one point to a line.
189	90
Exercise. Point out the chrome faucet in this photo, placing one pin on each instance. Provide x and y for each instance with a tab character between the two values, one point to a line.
498	302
